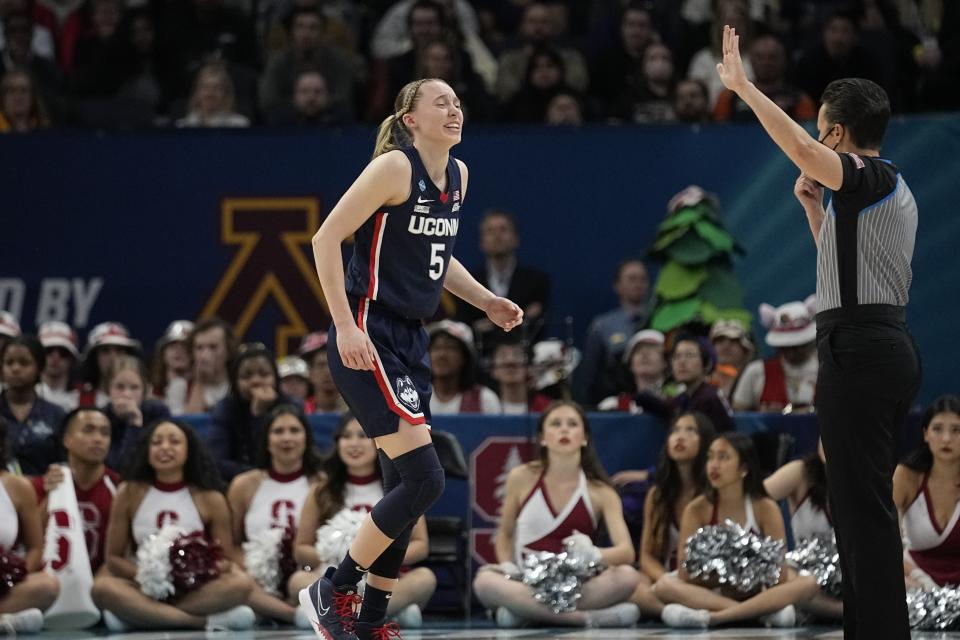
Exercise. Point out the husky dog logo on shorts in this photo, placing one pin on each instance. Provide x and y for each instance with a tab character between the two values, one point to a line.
408	393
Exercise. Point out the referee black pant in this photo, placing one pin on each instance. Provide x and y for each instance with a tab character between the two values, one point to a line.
869	375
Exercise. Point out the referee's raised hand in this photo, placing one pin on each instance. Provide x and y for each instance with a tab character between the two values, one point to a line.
731	69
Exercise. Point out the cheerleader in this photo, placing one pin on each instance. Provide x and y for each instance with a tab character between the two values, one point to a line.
33	589
561	497
926	490
804	484
171	481
680	476
271	497
352	479
86	440
736	492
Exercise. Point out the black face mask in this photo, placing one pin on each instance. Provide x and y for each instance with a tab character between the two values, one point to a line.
834	147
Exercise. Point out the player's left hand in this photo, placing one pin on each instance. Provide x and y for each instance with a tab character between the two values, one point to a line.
504	313
731	69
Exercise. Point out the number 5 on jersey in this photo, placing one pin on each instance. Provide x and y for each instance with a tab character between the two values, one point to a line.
437	250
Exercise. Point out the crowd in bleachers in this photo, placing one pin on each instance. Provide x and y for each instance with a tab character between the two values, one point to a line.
308	63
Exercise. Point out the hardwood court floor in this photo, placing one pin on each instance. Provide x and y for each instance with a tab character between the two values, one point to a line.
482	630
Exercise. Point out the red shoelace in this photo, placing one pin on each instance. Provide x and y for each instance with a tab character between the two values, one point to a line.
344	605
386	632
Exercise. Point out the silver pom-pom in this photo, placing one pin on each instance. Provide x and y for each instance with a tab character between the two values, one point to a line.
934	610
819	557
334	537
153	563
728	555
557	578
261	557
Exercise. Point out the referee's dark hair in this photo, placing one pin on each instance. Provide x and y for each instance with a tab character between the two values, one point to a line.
860	105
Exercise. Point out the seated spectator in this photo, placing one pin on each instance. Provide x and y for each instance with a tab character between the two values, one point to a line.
528	287
538	30
565	109
567	466
341	25
453	364
894	47
839	55
98	63
33	424
47	79
129	410
294	378
394	35
21	108
213	348
211	101
544	80
238	421
734	350
690	102
440	59
352	478
106	342
512	376
925	493
60	346
9	328
86	440
804	485
679	477
172	367
22	601
326	397
621	68
171	478
651	100
787	381
703	65
768	57
646	363
423	22
41	40
691	361
307	51
609	332
311	105
152	79
736	492
271	496
201	29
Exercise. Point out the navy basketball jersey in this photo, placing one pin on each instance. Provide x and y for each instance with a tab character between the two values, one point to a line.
401	253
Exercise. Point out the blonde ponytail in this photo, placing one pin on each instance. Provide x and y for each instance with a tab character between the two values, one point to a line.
386	136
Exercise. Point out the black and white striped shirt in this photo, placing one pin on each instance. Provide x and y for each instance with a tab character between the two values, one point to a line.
867	237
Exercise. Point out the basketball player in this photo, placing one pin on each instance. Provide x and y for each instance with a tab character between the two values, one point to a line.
404	210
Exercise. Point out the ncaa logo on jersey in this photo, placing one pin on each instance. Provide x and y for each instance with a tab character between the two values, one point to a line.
408	393
422	185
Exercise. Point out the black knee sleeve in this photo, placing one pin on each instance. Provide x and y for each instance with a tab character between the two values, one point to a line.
388	472
389	563
421	484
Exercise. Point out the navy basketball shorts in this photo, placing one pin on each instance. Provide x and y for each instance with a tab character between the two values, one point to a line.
399	386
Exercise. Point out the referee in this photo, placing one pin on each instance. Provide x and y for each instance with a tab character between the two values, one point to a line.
869	366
